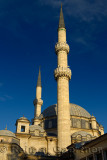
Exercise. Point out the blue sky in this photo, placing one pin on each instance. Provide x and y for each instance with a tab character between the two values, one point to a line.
28	33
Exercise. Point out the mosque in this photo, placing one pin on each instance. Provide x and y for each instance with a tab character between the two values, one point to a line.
59	125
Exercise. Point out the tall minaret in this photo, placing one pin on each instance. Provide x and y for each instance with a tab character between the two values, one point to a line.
38	101
62	74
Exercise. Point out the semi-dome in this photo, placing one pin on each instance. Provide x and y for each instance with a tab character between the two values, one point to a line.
75	110
7	133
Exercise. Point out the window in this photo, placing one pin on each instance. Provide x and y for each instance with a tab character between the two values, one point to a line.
22	128
83	123
99	156
87	125
42	150
105	154
90	126
88	137
78	123
50	124
74	122
90	158
32	150
78	138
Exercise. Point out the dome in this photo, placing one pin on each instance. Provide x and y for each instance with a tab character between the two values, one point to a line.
23	119
7	133
75	110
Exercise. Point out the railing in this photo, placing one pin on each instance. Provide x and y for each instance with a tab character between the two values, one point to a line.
62	72
62	46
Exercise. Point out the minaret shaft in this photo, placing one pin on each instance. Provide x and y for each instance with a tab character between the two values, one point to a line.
63	113
62	74
62	59
62	35
38	92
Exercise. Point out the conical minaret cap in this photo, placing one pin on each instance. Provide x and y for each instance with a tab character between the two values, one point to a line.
61	19
39	79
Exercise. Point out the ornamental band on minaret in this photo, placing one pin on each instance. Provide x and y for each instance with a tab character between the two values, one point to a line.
62	75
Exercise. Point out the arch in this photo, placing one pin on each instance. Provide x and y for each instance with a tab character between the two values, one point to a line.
78	138
32	150
42	150
88	137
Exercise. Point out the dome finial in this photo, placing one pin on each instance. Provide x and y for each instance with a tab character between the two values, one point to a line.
6	127
61	19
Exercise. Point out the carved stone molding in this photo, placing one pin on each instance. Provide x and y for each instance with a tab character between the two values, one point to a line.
38	101
62	72
62	46
3	149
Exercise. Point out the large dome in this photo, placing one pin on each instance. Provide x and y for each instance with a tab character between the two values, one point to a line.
75	110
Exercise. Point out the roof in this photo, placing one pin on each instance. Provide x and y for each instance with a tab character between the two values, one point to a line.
24	119
39	79
36	127
75	110
7	133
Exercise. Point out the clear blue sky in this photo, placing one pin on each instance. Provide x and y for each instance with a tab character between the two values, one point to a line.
28	33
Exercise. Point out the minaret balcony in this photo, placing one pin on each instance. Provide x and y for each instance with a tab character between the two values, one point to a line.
38	101
62	72
62	46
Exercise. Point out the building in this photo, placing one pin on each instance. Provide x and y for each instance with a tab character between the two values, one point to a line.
89	150
61	124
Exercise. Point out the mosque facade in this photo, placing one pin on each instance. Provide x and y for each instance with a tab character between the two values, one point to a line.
59	125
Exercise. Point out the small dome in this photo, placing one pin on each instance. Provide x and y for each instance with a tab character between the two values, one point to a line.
75	110
7	133
23	119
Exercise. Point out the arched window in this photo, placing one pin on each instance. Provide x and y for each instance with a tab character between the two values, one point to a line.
78	138
50	124
32	150
78	123
42	150
88	137
22	128
87	125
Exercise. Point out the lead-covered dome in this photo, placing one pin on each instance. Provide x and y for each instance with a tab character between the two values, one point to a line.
7	133
75	110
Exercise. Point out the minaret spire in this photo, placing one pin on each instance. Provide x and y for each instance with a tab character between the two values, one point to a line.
39	79
61	19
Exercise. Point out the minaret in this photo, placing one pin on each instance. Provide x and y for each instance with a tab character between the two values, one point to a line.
62	74
38	101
